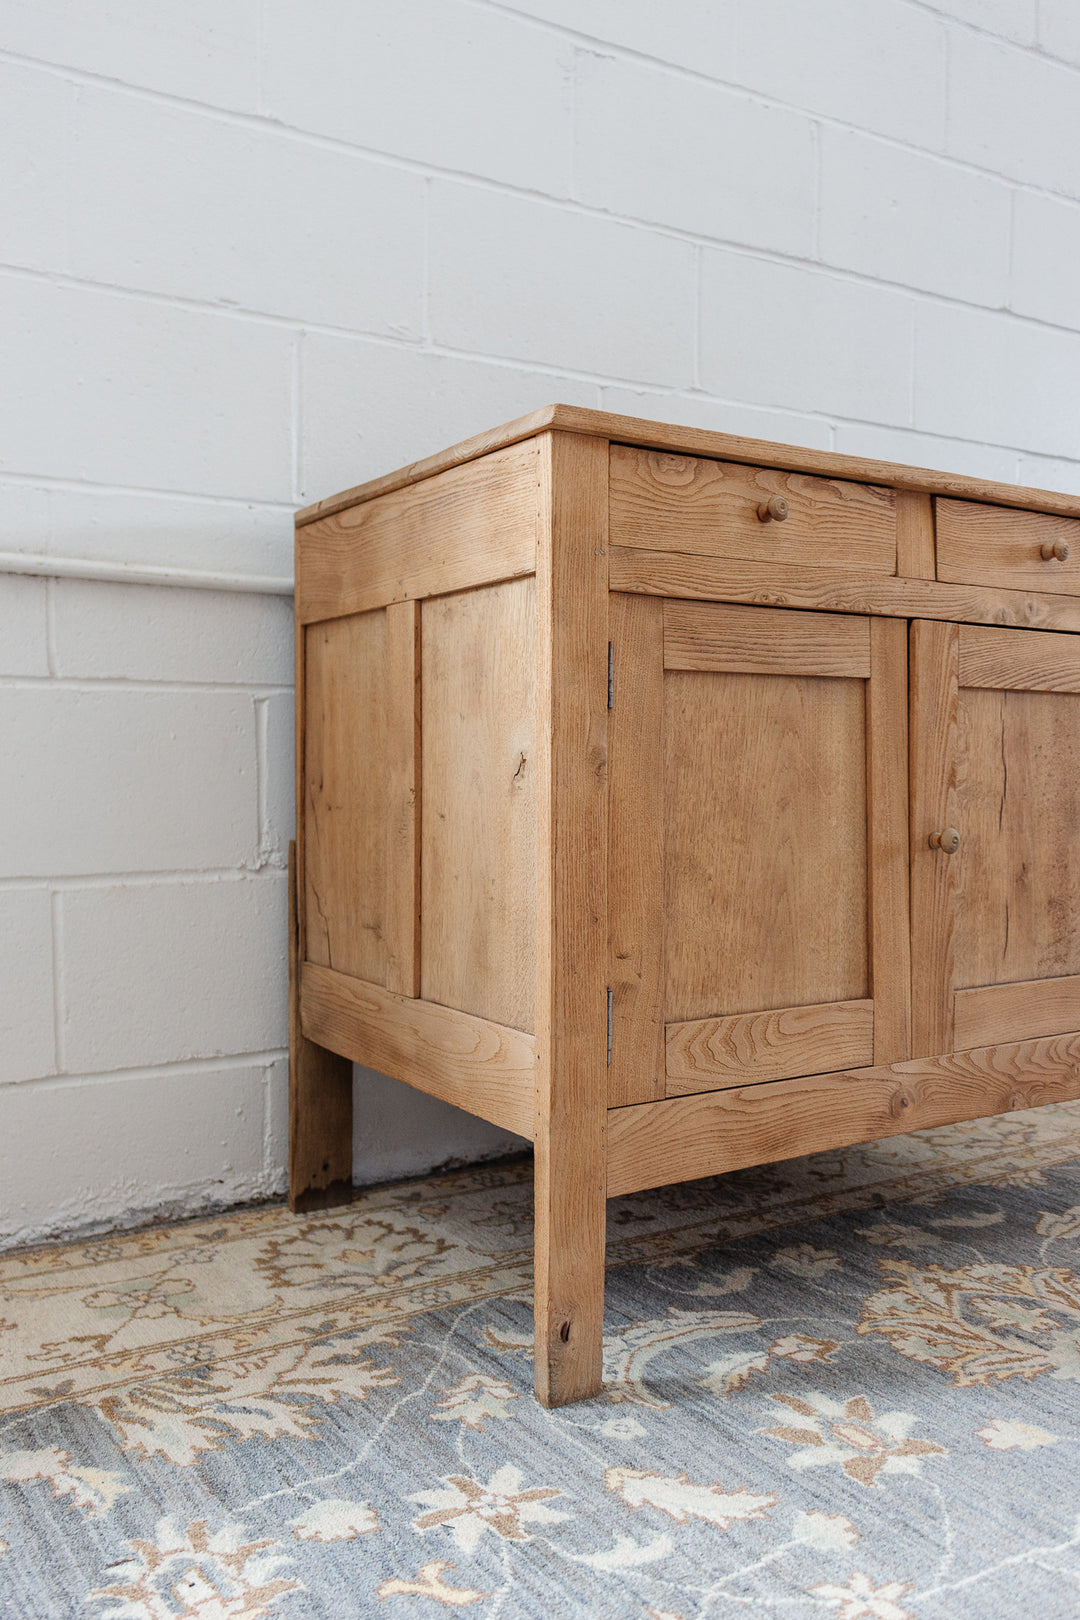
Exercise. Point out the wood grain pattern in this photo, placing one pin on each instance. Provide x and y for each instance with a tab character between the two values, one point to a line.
345	795
636	850
915	552
651	1144
887	834
991	545
696	441
1018	660
710	1053
320	1098
403	794
470	1062
668	502
478	917
934	705
1015	1012
764	641
765	790
835	590
1018	809
468	526
572	953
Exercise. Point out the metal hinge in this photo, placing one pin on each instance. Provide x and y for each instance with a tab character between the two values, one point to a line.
610	676
609	1026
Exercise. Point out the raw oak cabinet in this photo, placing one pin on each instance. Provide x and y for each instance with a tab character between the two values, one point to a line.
683	803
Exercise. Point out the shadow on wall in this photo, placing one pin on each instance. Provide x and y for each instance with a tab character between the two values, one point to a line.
398	1131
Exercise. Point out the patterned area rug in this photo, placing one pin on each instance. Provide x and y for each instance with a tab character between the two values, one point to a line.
841	1387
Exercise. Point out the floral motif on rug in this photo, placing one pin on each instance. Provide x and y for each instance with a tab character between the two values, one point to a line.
845	1386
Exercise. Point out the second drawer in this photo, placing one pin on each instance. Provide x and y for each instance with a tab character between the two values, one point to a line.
999	545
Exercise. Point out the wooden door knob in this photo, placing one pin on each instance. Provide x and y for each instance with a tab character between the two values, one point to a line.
948	841
774	510
1056	552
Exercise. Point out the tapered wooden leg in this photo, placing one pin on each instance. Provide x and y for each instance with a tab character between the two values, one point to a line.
569	1287
320	1099
572	930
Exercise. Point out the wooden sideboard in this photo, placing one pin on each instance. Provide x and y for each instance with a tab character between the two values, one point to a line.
681	802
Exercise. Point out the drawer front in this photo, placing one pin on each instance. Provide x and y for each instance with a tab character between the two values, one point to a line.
995	545
663	502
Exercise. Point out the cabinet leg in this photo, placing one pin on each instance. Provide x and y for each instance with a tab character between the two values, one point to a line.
568	1300
320	1099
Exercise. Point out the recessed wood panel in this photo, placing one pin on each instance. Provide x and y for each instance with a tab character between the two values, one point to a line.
1018	808
345	809
765	794
478	860
683	503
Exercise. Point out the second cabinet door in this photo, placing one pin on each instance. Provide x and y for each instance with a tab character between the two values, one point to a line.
995	718
759	860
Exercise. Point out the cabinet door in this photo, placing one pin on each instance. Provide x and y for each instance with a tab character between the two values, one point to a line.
995	727
758	836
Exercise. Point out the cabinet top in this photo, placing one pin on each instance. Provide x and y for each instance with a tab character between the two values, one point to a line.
696	442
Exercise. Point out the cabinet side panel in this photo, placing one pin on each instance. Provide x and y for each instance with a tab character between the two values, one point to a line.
765	842
345	808
468	526
478	858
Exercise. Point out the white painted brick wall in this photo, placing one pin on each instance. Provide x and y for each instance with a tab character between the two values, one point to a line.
251	253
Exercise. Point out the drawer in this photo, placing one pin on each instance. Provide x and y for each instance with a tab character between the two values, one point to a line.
997	545
662	502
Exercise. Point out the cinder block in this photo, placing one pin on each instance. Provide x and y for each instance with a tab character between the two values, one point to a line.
27	1046
23	635
203	49
1049	472
128	391
720	416
35	114
905	217
880	67
697	34
1046	258
1059	29
165	633
192	970
925	450
129	1147
1012	19
163	531
657	146
785	335
530	281
367	408
125	781
1004	381
1014	112
177	202
279	775
459	86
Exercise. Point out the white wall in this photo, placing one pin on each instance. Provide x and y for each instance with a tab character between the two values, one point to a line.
252	252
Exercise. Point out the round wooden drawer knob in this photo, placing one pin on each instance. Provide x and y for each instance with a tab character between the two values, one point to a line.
775	510
948	841
1058	551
